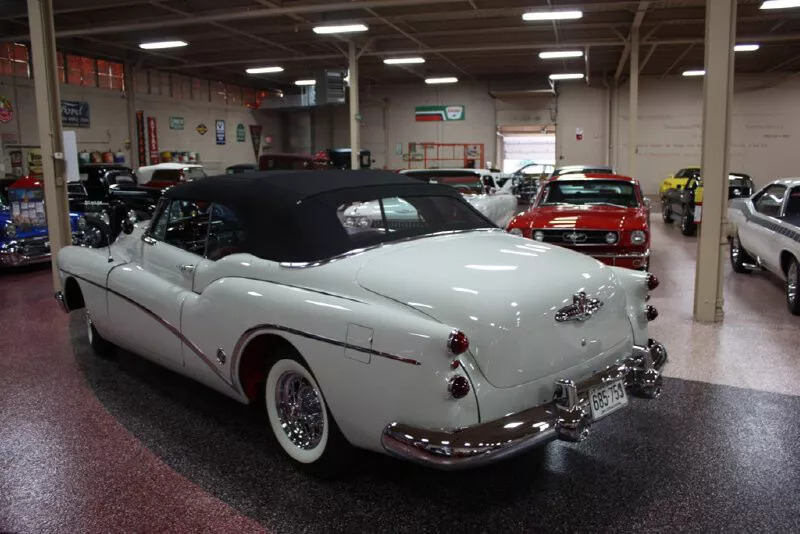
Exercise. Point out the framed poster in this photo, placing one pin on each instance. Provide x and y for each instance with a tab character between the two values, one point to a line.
74	113
176	123
220	129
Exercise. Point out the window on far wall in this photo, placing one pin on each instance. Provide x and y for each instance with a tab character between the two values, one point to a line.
14	60
200	89
81	71
110	75
248	97
234	93
62	73
218	93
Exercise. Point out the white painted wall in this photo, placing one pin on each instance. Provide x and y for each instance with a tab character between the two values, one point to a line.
109	123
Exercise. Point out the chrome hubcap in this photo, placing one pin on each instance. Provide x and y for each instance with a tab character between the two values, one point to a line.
791	283
299	408
735	249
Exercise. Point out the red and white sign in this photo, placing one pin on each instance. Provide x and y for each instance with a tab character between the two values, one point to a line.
578	134
6	110
152	140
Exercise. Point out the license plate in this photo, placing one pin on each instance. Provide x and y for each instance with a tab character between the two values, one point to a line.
607	398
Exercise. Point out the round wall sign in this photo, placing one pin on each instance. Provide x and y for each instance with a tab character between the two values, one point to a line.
6	111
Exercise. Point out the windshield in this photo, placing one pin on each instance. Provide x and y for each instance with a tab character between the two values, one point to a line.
339	222
590	192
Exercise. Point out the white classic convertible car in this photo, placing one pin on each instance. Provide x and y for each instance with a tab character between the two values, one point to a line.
765	234
448	342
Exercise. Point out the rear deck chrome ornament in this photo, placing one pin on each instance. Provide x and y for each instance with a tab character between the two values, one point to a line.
582	308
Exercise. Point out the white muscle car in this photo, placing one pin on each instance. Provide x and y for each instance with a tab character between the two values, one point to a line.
491	193
765	234
447	342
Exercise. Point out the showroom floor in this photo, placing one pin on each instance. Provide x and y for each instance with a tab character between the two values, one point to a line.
89	445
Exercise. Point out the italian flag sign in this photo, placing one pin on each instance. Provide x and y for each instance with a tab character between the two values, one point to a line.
439	113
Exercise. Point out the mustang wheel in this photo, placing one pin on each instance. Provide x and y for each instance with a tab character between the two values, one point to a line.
792	283
738	256
666	213
301	421
99	344
688	226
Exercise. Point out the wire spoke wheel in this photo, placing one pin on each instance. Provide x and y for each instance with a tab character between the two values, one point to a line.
791	284
300	410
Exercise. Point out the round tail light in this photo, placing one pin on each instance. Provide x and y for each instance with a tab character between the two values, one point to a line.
652	282
458	387
458	343
651	313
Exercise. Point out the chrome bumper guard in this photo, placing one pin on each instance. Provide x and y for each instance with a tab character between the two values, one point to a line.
25	252
62	301
567	417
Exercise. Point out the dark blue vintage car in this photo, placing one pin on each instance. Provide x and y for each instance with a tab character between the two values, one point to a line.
23	228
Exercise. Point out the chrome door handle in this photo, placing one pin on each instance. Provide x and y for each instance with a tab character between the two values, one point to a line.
149	240
187	268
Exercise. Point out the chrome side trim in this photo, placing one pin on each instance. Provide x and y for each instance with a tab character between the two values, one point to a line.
357	251
263	328
566	417
166	324
631	255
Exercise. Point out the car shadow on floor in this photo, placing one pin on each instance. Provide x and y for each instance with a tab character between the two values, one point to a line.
620	478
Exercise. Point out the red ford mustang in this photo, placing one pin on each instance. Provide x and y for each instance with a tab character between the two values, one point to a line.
603	215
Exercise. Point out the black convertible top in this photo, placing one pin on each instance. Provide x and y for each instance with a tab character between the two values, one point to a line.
292	215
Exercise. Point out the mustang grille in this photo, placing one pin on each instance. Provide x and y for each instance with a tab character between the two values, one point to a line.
577	237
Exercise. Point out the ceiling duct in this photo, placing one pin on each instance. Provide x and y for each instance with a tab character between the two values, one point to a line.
520	88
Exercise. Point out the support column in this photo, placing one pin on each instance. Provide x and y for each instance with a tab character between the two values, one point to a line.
48	114
355	123
633	102
717	98
130	100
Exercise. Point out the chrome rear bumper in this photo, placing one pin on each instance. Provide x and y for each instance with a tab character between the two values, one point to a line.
566	418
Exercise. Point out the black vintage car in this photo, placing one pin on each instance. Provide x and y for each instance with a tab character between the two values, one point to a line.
240	168
105	182
686	204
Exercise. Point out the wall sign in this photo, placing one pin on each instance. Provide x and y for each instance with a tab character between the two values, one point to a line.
241	136
152	137
579	134
255	137
6	111
439	113
74	113
176	123
220	129
141	145
201	129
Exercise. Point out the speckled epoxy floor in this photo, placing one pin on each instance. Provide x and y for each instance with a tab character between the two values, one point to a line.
95	445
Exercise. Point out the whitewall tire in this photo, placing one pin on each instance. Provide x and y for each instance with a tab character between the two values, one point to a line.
300	420
99	345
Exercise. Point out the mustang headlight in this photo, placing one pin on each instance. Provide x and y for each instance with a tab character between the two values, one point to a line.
611	238
515	231
10	231
538	235
638	237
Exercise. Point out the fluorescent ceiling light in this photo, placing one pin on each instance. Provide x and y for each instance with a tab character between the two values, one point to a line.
780	4
567	76
560	53
698	72
552	15
306	82
264	70
403	60
746	47
162	44
447	79
342	28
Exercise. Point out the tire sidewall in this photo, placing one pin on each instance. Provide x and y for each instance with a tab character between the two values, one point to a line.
276	370
794	305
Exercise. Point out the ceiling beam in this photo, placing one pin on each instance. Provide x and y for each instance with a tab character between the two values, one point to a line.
782	64
677	61
647	57
626	52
